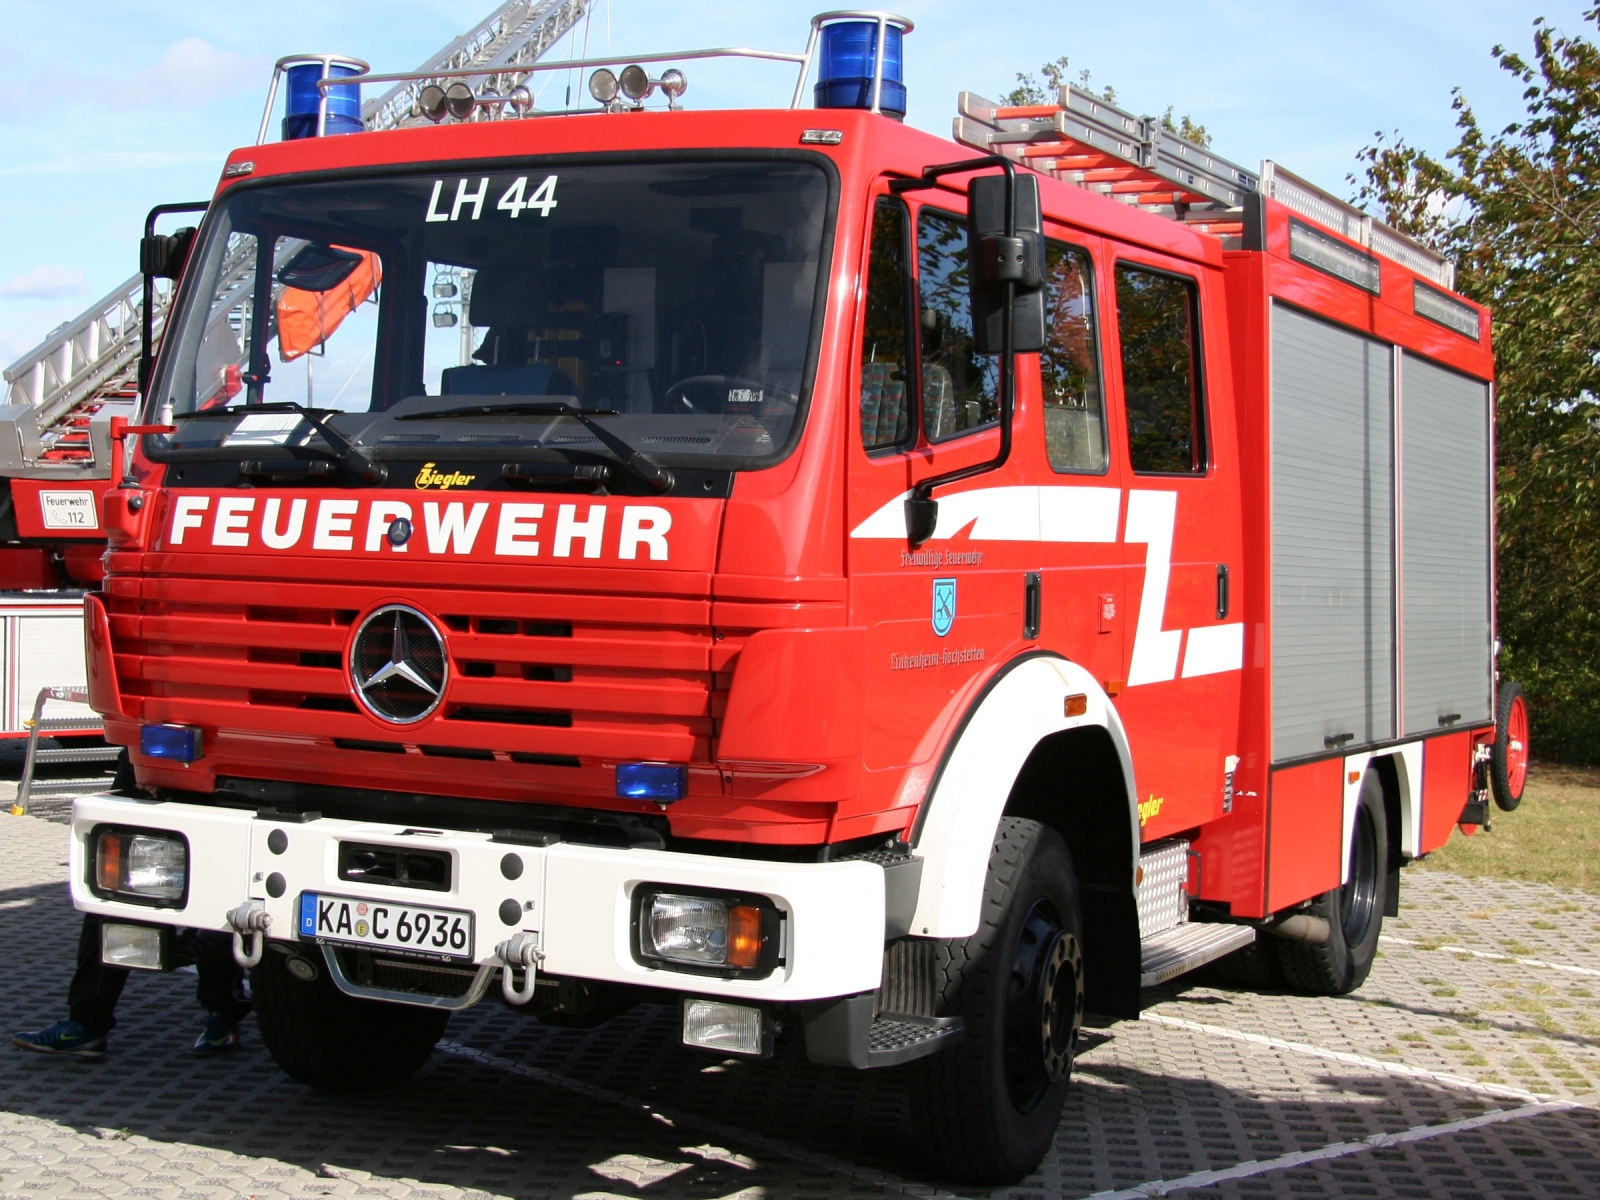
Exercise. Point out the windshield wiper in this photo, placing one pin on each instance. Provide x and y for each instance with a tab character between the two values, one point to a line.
342	447
655	476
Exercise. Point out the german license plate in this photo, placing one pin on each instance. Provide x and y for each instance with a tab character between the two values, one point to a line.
384	924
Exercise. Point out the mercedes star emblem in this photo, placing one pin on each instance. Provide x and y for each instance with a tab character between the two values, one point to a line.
398	664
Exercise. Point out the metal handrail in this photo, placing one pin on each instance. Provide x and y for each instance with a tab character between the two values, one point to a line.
74	695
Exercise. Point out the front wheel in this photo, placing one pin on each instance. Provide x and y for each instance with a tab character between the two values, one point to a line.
986	1110
1354	911
334	1042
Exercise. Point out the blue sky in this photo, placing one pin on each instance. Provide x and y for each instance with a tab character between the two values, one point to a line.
136	103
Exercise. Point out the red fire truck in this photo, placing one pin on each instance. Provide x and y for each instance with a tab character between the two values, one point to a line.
901	595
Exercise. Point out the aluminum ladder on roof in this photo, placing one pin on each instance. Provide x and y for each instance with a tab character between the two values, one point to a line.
1086	140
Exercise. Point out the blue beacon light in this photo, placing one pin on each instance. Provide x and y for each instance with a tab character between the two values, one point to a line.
849	61
300	106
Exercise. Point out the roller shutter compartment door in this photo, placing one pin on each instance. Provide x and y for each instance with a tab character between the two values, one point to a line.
1332	537
1444	548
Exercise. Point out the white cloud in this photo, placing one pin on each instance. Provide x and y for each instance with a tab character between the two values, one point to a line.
45	283
191	67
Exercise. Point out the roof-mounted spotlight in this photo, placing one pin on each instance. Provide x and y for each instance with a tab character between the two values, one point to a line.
459	100
674	83
430	102
636	83
603	86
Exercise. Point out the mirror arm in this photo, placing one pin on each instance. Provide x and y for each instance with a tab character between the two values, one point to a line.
148	294
922	510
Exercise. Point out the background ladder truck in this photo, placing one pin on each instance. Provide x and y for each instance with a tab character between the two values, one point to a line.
898	594
55	422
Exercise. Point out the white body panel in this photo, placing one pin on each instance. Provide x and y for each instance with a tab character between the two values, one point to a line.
576	897
1025	706
1408	770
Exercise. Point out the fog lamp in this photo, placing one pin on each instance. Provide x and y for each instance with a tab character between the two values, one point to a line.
180	743
603	86
709	931
726	1028
144	866
652	781
636	83
135	946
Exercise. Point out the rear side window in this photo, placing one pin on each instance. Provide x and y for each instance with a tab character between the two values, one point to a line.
885	340
959	385
1069	366
1157	315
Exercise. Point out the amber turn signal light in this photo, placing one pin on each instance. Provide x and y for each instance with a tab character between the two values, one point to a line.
744	936
1076	705
108	862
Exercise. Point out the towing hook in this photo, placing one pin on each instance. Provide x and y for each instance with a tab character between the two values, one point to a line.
519	950
251	918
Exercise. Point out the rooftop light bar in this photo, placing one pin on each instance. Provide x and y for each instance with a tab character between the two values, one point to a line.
803	61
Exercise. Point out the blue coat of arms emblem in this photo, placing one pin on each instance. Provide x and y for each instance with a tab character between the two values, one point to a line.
944	605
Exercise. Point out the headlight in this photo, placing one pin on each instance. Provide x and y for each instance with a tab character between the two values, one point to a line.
146	866
719	934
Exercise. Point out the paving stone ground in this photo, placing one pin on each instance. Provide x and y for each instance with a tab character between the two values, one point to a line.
1480	1016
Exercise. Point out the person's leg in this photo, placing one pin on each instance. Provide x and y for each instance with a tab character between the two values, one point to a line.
91	1001
220	990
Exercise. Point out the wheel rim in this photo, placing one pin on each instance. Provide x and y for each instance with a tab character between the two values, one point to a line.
1517	745
1044	1006
1358	898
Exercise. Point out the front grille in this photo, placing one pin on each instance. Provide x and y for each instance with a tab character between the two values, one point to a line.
536	682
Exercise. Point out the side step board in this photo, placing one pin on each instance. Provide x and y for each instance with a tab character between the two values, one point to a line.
896	1038
1179	950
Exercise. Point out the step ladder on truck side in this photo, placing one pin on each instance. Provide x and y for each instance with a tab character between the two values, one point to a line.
38	724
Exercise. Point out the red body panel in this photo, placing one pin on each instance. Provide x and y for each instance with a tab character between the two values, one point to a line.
1446	780
1303	833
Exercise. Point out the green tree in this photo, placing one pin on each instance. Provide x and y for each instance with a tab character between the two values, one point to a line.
1517	210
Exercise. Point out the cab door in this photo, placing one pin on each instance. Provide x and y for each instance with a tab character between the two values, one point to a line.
1181	542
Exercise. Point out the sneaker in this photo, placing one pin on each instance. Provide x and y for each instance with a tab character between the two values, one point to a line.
64	1037
218	1037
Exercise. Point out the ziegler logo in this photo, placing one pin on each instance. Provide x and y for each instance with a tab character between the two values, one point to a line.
428	478
1150	808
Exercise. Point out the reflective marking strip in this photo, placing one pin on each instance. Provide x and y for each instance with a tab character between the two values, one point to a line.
1010	514
1356	1060
1510	958
1419	1133
1212	649
1151	519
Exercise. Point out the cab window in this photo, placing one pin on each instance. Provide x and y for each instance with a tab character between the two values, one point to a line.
1069	365
1158	319
885	339
959	385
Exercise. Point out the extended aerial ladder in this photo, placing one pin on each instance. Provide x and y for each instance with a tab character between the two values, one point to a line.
55	422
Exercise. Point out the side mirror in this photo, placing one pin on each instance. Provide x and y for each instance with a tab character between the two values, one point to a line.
996	259
162	256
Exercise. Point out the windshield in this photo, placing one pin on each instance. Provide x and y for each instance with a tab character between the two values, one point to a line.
672	300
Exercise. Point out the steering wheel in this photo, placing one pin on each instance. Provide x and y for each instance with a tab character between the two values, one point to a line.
680	388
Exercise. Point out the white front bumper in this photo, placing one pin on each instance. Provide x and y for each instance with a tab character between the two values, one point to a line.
577	898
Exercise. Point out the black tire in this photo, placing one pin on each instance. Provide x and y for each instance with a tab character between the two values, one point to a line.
1354	912
321	1037
1508	764
986	1110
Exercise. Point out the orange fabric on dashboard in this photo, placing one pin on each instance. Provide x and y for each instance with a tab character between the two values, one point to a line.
307	319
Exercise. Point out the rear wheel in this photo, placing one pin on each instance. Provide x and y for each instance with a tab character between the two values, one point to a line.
321	1037
1354	911
986	1110
1508	765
